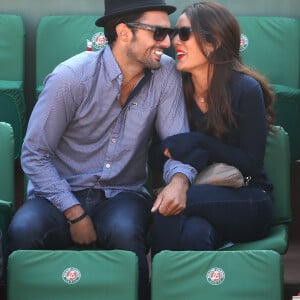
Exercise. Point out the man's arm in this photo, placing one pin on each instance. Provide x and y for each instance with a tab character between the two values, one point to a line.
172	199
172	119
46	127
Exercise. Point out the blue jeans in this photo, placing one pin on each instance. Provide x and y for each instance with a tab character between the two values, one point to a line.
214	215
121	222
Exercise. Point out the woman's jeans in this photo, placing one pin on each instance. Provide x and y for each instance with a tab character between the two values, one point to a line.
121	222
214	215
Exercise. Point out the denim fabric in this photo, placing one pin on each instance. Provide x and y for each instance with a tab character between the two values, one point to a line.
121	222
214	215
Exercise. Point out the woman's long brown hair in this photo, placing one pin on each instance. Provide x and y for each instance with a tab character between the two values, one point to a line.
213	23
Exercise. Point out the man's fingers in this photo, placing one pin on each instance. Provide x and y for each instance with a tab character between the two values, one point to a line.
157	203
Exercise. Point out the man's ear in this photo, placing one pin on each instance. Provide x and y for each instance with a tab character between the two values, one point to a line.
123	32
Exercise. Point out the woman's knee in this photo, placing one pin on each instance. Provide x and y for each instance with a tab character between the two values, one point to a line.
198	234
166	232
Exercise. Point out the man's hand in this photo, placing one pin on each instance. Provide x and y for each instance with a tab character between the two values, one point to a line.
82	232
172	199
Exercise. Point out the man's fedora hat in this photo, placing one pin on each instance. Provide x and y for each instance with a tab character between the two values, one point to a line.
115	8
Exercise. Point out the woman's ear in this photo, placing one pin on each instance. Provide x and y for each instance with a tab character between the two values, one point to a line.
211	47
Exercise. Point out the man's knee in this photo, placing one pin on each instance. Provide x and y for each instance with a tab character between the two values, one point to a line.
124	234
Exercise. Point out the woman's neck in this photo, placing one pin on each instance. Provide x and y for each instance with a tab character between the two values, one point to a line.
200	80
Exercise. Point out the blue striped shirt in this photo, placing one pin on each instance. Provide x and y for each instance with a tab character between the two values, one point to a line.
79	136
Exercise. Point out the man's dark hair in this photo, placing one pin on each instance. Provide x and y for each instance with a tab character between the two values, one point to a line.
110	26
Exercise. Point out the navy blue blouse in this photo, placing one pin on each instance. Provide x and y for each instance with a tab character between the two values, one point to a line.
245	144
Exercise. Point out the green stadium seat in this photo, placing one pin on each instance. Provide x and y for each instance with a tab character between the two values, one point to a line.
287	108
277	165
203	275
72	274
12	103
7	195
271	45
60	37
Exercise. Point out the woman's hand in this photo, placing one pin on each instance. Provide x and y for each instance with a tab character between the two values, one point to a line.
167	153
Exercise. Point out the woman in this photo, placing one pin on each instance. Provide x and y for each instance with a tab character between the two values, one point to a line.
230	114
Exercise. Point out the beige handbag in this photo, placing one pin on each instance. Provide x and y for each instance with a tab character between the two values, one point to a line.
223	175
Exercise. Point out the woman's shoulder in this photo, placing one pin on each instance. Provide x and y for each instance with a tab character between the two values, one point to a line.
243	80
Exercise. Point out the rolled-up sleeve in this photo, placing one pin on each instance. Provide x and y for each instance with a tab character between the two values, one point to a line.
172	119
173	167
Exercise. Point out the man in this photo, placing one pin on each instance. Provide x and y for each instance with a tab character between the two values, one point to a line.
85	150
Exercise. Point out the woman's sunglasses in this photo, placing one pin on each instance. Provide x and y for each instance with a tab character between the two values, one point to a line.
183	32
159	33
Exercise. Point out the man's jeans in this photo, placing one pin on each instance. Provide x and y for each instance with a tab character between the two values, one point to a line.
121	222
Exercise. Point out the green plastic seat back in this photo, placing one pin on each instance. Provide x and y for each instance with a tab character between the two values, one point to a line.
287	110
271	45
12	103
277	165
60	37
11	47
7	162
203	275
72	274
7	192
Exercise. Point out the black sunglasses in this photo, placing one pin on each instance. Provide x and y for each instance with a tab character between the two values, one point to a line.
159	33
185	33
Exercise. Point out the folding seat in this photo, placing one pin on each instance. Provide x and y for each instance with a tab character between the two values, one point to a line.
61	36
72	274
202	275
12	103
271	45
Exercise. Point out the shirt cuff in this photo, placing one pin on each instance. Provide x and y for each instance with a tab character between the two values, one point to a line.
64	201
173	167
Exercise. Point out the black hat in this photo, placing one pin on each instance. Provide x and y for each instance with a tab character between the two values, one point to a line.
115	8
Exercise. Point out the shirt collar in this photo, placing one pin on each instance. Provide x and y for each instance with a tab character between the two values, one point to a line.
110	63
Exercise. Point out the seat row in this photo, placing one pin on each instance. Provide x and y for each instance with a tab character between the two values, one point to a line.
270	45
113	275
253	268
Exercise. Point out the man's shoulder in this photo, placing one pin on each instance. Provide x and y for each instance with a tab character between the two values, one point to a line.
167	67
79	67
85	58
167	60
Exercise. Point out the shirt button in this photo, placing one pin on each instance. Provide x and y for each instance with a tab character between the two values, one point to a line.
113	140
134	104
107	166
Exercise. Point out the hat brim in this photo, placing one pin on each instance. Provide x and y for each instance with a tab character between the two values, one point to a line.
167	8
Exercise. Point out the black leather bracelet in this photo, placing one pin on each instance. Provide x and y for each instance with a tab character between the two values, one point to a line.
77	219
